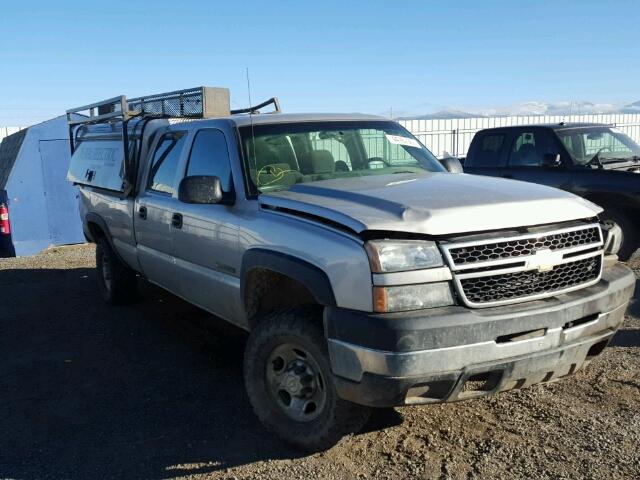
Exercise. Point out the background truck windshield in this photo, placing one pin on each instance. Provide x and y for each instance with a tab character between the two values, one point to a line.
599	144
278	156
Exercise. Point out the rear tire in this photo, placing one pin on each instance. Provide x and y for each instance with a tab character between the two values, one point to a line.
289	382
118	284
630	235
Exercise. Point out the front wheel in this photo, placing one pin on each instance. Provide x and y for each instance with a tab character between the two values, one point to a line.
629	232
290	384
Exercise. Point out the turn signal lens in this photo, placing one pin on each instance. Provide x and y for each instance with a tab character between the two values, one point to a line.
411	297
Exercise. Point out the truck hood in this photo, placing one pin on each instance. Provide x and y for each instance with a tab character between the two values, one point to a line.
430	203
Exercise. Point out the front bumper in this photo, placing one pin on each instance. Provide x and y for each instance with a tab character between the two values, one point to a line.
454	353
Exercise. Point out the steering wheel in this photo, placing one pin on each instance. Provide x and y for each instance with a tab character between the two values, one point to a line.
606	147
596	158
376	159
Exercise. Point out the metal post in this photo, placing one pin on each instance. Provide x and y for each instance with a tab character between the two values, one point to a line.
454	141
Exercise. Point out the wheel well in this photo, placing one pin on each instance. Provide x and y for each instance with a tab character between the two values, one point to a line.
267	291
611	203
95	231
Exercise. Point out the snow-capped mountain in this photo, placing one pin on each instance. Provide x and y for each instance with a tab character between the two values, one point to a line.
631	108
532	108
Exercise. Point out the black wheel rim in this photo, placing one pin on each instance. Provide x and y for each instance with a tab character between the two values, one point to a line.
295	382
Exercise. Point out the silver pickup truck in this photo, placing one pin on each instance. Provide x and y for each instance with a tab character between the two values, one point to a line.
367	274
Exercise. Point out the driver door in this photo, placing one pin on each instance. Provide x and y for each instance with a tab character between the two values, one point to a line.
208	259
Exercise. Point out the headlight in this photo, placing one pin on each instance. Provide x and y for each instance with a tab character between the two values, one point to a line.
400	255
412	297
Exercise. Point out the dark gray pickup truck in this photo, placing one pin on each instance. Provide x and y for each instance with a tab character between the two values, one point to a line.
597	162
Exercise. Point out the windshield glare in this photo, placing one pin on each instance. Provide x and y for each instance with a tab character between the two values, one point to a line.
601	144
278	156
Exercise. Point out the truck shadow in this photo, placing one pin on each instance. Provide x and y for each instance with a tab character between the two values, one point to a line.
151	390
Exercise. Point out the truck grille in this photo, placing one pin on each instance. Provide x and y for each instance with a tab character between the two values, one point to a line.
494	272
496	288
524	246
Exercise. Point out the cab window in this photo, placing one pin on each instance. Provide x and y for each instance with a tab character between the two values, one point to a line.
209	156
164	163
487	151
530	147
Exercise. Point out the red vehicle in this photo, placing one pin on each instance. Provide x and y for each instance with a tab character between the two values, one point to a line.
6	245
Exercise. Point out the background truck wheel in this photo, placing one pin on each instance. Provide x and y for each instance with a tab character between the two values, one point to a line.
117	283
630	235
290	385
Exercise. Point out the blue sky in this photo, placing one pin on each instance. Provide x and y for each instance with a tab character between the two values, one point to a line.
368	56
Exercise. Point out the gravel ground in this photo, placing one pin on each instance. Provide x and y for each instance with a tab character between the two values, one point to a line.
154	390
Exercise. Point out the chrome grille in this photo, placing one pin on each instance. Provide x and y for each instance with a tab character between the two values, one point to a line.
509	286
513	269
524	246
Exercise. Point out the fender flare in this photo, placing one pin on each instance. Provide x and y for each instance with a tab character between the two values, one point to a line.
309	275
92	217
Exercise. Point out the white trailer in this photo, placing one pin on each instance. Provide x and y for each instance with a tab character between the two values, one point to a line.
43	205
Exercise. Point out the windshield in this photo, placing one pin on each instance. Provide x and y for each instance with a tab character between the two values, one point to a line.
599	145
278	156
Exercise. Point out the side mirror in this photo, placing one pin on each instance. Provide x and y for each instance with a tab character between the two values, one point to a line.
551	160
200	189
452	164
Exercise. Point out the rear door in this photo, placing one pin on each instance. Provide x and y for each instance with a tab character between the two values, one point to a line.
154	209
206	242
526	155
487	155
61	196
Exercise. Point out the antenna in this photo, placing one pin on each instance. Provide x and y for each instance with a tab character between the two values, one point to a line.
253	136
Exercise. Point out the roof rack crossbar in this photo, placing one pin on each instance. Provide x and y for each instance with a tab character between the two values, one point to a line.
100	111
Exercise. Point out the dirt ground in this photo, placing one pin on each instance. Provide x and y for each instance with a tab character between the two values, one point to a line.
154	390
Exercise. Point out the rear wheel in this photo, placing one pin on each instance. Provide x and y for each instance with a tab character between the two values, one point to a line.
290	384
117	283
629	232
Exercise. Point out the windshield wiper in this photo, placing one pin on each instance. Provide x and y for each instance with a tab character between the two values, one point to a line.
632	159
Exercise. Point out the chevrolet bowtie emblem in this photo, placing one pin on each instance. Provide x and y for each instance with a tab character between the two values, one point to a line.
544	260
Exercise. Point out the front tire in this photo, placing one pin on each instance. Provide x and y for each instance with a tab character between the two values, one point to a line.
629	233
118	284
290	385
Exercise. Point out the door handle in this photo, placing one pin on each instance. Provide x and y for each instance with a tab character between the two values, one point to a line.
176	220
142	212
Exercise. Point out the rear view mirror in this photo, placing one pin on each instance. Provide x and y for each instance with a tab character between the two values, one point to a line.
552	160
452	164
200	189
